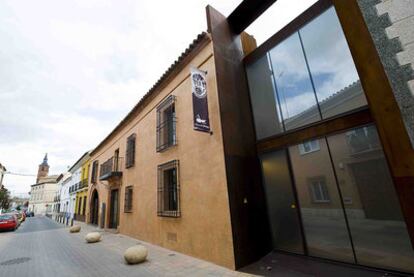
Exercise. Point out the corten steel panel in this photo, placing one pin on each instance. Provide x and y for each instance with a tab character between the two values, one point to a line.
318	129
289	29
246	13
383	106
251	237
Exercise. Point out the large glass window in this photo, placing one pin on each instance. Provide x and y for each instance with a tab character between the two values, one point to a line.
314	78
265	106
330	62
348	205
293	84
320	204
376	223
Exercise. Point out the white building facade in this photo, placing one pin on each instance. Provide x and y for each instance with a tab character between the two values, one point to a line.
42	195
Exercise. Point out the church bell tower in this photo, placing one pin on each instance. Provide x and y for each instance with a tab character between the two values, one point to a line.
43	169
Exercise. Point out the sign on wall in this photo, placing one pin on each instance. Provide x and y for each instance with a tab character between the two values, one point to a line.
200	105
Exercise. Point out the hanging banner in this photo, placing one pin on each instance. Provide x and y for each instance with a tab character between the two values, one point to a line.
200	105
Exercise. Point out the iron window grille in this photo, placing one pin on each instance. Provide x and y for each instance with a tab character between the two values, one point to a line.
94	175
128	199
168	200
166	124
130	152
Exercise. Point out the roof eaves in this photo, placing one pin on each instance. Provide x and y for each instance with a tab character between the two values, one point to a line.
197	43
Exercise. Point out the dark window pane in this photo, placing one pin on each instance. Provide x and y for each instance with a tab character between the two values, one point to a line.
281	204
266	114
170	188
324	221
293	84
332	68
166	124
130	153
377	226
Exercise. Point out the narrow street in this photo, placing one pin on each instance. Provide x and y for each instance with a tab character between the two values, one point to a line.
41	247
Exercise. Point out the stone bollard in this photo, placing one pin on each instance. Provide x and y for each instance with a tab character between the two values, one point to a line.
75	229
93	237
136	254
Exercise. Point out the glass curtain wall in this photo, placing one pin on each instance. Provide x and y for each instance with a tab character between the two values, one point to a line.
323	218
267	118
348	205
307	77
375	219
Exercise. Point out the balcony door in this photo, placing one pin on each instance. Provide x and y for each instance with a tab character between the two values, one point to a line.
116	159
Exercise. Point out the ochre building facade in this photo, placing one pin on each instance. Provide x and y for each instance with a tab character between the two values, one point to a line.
203	198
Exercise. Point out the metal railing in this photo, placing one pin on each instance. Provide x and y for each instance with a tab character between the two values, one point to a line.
112	165
84	183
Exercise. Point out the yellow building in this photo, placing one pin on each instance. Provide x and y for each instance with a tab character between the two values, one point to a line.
82	192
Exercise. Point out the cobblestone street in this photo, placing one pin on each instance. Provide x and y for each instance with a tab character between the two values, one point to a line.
41	247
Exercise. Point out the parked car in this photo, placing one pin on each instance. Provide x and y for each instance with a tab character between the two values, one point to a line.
8	222
17	216
29	214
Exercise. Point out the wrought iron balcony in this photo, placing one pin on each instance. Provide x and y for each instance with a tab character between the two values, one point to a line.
111	169
84	183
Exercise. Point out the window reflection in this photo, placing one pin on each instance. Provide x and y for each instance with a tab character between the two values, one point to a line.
320	204
377	227
330	62
267	119
314	77
293	84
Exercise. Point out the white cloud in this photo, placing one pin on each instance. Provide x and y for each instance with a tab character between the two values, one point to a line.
70	70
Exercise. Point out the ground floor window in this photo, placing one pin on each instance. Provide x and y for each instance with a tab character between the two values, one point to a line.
168	190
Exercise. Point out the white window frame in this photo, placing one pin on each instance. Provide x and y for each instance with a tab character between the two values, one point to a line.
318	184
313	146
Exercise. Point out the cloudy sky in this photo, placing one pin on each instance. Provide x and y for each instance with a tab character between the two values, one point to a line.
71	70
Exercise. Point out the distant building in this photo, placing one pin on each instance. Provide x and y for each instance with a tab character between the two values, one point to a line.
63	194
18	202
308	153
82	189
42	193
73	190
2	173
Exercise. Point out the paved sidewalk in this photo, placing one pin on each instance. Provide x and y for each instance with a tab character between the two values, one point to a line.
41	248
161	261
